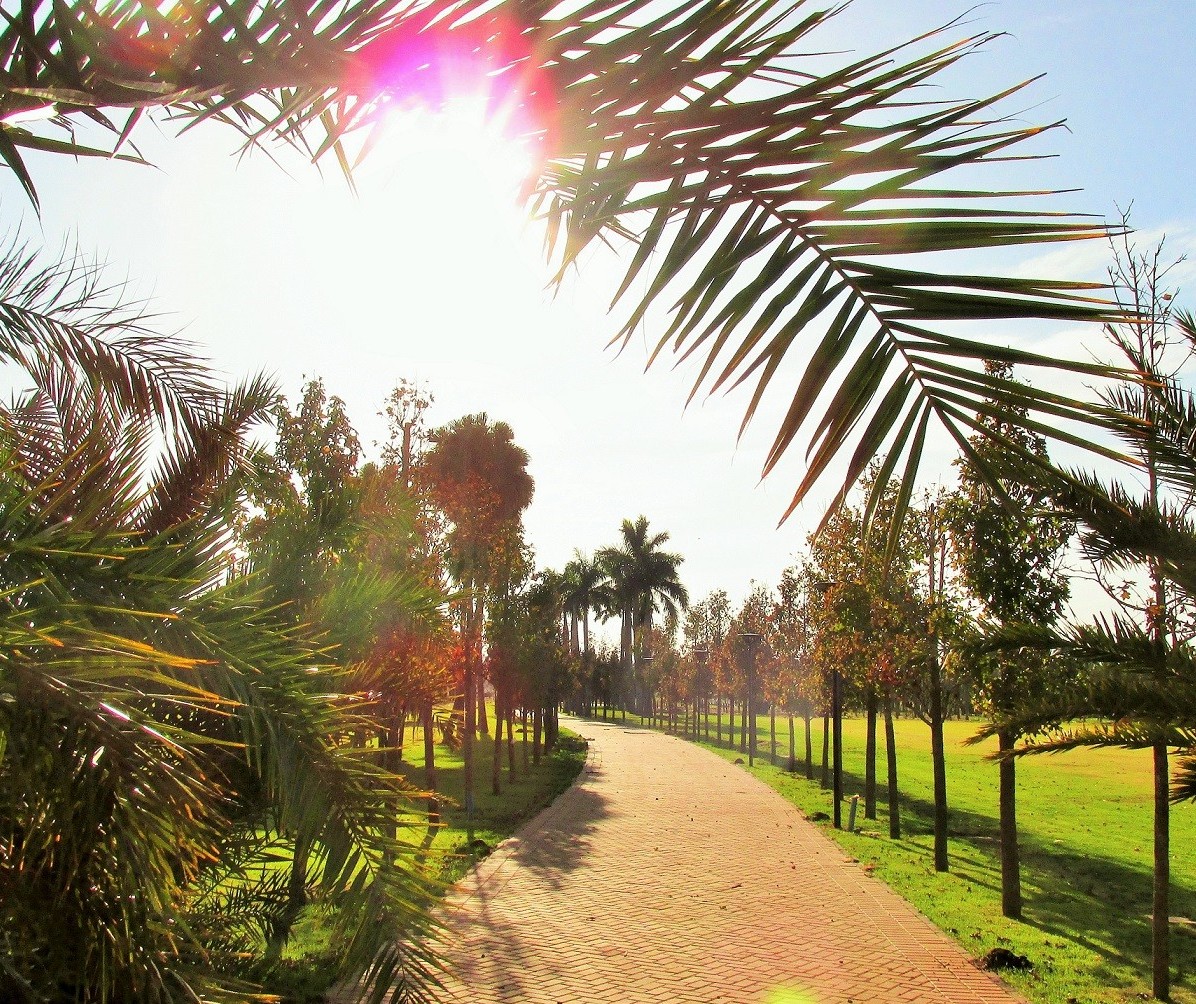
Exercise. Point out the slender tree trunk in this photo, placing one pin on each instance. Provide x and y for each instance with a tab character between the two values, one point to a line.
496	758
718	719
537	735
469	724
511	740
870	756
772	733
430	764
525	742
1011	872
809	746
400	733
483	721
1161	908
826	752
939	759
792	746
891	759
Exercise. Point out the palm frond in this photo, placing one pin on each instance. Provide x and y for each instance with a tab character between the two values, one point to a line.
782	204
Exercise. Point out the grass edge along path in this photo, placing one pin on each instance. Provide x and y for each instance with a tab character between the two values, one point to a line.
1085	835
306	973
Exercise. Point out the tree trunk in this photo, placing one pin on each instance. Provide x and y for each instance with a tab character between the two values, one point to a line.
792	747
430	765
467	730
938	756
496	750
400	733
1161	919
525	742
1011	872
537	735
809	746
772	733
483	722
870	756
891	759
718	719
826	753
511	741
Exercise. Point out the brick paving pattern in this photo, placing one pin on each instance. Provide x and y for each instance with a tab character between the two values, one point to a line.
666	874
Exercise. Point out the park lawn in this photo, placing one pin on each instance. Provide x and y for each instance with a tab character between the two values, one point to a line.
306	970
1085	832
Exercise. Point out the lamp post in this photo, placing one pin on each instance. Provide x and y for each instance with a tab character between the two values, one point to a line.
751	639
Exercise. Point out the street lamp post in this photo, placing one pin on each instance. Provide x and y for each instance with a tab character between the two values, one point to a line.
751	639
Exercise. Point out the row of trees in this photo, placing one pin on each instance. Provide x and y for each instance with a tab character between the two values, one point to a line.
213	650
956	608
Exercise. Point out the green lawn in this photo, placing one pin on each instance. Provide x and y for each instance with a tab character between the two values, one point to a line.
1085	823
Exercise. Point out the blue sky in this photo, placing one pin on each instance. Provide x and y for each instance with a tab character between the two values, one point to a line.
426	275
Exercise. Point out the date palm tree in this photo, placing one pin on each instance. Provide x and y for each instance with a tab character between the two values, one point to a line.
785	207
164	734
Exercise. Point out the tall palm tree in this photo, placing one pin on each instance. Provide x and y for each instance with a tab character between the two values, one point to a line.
783	204
644	582
584	580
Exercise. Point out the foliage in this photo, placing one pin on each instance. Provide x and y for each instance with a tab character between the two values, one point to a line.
1008	545
164	734
692	131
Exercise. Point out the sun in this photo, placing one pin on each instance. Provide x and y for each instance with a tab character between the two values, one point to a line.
459	152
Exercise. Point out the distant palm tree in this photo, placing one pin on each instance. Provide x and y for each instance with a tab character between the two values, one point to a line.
585	583
644	582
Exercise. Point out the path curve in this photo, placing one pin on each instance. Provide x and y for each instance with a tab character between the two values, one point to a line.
666	874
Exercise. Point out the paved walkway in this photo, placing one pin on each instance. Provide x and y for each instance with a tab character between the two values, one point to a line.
666	874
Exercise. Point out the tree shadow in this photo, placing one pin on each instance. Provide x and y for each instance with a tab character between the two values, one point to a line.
496	942
1100	903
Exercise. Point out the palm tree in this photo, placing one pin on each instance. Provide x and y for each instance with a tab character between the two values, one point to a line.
644	582
781	203
584	580
162	735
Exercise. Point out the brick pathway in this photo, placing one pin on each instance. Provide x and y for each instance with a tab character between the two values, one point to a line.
666	874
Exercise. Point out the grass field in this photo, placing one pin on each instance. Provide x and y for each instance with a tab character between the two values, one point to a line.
1085	827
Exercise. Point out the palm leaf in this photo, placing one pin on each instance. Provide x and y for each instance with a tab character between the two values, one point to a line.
773	196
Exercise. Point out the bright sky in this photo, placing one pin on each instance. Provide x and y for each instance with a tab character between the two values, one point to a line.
426	275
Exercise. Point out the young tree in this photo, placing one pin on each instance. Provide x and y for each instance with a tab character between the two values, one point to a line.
478	477
1008	548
